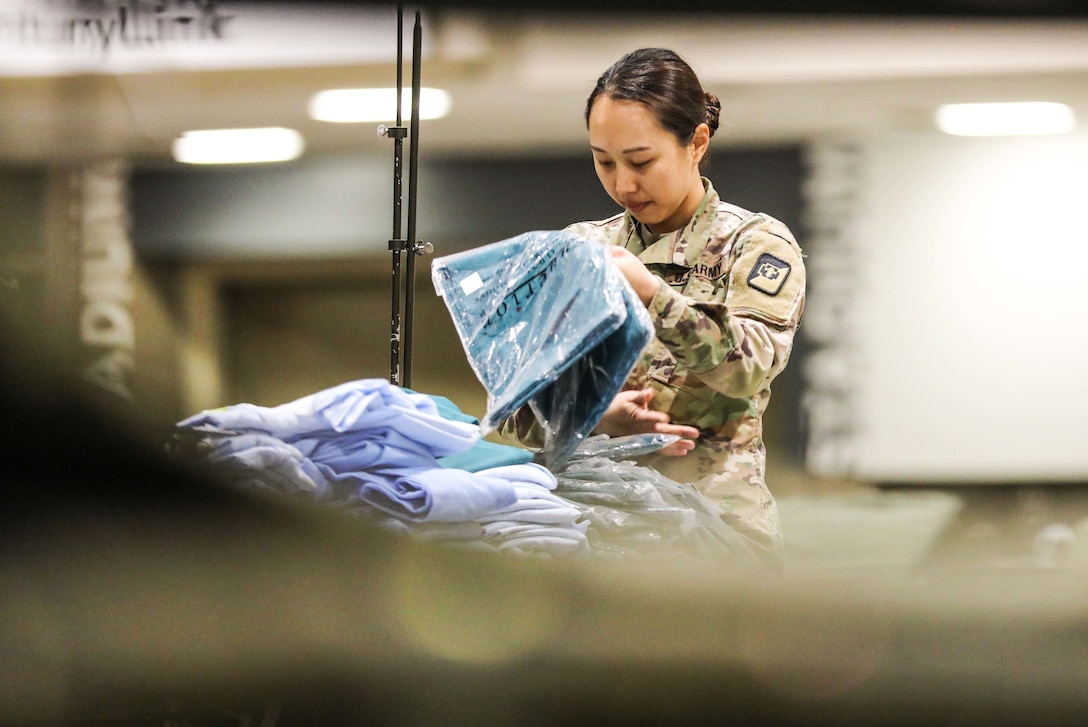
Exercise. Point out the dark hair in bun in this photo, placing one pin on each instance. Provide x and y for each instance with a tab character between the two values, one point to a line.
713	111
664	82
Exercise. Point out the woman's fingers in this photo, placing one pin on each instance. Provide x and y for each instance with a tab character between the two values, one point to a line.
680	430
630	414
678	448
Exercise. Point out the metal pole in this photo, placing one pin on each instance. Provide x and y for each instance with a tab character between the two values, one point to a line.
397	243
413	165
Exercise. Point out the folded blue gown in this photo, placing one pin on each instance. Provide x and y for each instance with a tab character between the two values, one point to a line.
545	320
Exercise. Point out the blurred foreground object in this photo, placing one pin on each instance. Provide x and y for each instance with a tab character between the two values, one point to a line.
136	588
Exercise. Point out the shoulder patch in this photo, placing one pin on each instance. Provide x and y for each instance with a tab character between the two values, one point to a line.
767	281
769	274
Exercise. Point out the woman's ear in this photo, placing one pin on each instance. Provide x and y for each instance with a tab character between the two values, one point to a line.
700	142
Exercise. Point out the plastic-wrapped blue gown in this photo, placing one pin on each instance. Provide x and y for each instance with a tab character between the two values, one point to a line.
545	320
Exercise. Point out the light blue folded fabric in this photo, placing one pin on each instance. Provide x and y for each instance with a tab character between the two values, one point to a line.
372	444
439	495
354	407
508	530
537	541
535	510
545	320
529	473
266	462
379	448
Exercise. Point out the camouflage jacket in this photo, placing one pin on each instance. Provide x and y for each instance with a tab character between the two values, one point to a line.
731	296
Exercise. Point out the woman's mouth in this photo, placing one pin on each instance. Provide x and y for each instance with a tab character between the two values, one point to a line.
636	208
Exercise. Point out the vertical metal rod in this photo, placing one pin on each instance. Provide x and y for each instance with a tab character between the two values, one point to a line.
413	166
395	243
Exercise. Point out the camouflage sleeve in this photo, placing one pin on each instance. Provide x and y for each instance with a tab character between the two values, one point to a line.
600	231
737	335
524	428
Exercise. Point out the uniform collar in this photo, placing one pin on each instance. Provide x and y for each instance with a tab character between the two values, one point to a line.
682	247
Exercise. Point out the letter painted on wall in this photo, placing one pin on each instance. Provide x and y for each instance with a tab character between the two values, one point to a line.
107	332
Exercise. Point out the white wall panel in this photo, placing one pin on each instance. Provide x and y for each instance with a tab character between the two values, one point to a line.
968	296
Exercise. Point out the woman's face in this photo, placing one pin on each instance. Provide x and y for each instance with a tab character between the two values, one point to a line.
643	167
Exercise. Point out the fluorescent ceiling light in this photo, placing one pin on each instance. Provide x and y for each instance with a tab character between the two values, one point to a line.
1005	119
355	105
238	146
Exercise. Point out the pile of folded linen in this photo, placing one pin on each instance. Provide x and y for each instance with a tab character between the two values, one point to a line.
371	447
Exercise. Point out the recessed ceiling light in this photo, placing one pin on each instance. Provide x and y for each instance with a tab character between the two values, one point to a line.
1005	119
238	146
356	105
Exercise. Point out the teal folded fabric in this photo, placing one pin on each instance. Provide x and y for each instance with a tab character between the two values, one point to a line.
483	454
486	455
448	410
545	321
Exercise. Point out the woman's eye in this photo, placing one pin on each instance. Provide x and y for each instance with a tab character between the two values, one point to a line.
640	165
605	164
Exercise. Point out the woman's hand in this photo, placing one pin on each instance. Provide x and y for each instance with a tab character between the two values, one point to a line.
628	414
641	279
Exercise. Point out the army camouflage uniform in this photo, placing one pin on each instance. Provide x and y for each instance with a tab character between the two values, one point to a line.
725	316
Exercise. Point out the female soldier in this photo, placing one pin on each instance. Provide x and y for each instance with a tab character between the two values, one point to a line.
724	288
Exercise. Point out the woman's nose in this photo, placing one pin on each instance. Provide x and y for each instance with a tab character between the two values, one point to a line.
626	181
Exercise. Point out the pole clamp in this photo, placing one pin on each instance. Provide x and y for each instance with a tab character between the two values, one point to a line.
393	132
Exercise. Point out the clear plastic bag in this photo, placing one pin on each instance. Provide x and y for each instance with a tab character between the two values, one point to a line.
623	447
545	321
635	510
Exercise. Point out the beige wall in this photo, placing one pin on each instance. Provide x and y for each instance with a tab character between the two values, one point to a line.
268	333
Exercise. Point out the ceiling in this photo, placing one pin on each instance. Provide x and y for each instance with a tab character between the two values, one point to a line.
519	79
